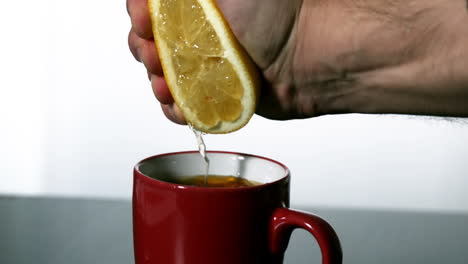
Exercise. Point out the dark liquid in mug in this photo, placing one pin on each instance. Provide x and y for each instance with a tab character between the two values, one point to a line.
213	181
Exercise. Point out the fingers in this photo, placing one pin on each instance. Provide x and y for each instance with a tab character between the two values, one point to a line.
162	93
161	90
139	15
141	43
133	44
173	113
145	51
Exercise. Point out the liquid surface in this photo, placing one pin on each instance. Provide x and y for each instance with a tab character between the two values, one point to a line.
213	181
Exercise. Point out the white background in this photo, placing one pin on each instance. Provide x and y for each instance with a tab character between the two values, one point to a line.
77	113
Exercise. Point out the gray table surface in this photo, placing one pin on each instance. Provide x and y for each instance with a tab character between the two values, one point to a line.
65	230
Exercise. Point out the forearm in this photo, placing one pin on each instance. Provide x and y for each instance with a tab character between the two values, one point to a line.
433	84
407	59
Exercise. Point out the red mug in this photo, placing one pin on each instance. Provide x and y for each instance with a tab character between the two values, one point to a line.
180	224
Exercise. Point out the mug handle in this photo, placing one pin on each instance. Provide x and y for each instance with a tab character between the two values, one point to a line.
284	221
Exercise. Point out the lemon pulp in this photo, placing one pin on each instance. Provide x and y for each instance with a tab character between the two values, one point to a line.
198	60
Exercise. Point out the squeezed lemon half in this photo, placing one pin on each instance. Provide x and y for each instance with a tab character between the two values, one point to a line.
212	79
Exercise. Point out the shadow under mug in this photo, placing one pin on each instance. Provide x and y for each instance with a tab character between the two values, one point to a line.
179	224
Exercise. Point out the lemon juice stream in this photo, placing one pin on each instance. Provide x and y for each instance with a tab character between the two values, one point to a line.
202	150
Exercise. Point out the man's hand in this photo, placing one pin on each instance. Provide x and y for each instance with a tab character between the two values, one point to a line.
339	56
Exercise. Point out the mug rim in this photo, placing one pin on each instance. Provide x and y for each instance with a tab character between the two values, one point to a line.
170	185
